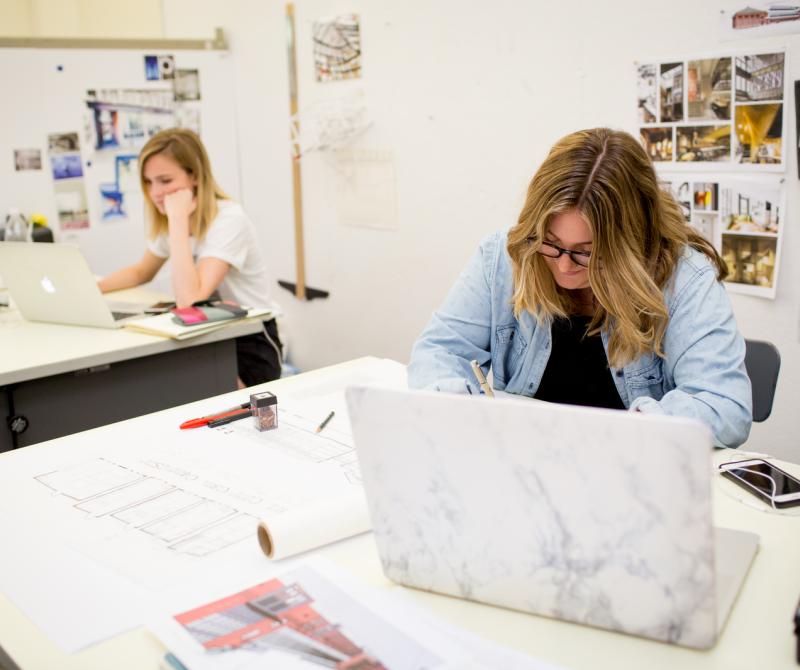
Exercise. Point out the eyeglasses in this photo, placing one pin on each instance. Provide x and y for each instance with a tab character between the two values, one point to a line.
551	250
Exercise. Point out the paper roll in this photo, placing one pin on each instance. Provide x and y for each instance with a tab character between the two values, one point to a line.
311	526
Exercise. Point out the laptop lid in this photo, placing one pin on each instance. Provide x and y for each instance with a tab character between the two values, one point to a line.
594	516
53	283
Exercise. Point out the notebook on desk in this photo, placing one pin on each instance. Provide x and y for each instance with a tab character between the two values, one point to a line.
52	283
593	516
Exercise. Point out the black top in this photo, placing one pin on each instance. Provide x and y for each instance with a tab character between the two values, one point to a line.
577	372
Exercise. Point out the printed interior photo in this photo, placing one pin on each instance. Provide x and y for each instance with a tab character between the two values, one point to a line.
671	92
646	85
658	143
708	89
705	224
750	259
748	210
759	78
759	133
705	195
703	143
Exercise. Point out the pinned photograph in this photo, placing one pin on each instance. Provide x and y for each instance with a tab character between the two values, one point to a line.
59	143
112	202
759	19
759	134
703	143
73	213
751	259
708	89
27	159
166	67
106	128
759	78
337	48
705	196
66	166
658	143
671	92
151	70
647	89
748	209
187	85
126	168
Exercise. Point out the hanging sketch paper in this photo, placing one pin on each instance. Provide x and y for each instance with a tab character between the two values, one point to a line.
759	19
723	112
365	188
743	219
337	48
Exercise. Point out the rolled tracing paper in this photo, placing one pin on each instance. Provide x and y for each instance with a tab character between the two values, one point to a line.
285	534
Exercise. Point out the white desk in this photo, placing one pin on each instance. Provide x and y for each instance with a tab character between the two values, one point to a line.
758	634
79	378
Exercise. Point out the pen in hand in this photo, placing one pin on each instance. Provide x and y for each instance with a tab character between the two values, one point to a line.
481	379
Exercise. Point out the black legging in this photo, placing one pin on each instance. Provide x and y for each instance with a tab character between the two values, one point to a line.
259	356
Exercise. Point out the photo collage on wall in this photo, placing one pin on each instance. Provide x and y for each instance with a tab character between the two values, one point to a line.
68	180
714	128
742	218
723	111
120	121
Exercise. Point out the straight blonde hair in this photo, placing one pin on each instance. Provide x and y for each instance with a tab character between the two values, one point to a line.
185	148
638	236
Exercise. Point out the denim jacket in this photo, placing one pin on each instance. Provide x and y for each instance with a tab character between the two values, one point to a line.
701	375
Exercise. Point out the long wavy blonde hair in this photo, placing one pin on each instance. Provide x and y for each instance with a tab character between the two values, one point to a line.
638	235
185	148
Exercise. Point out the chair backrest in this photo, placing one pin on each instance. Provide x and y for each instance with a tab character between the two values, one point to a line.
763	362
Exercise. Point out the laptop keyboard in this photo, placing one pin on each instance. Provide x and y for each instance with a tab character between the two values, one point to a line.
122	315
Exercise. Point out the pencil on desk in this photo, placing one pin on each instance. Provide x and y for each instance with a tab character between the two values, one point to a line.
325	422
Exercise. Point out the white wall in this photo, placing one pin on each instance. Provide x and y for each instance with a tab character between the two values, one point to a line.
468	96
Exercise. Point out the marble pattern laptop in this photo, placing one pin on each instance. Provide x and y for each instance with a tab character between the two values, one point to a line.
594	516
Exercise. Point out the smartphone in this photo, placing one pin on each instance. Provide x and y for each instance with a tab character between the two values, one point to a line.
159	308
764	480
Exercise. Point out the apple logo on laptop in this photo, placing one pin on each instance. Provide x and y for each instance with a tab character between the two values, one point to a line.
47	285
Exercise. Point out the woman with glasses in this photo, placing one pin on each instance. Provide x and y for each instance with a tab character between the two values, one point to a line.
600	295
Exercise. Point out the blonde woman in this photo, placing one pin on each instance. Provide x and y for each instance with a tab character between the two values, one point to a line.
600	295
210	240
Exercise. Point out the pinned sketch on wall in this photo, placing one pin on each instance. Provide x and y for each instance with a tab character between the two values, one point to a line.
759	19
712	113
365	188
27	159
337	48
68	183
743	219
329	124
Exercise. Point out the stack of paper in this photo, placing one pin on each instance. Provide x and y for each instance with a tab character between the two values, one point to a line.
163	325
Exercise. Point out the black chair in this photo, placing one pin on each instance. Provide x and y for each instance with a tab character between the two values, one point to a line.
763	362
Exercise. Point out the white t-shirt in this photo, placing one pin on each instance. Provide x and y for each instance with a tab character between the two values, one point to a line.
231	237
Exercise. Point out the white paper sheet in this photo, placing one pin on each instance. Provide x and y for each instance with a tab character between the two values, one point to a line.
144	508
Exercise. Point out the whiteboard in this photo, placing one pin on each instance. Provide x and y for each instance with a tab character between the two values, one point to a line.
45	92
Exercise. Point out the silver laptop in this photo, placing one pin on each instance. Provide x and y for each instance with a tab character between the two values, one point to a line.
594	516
53	283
